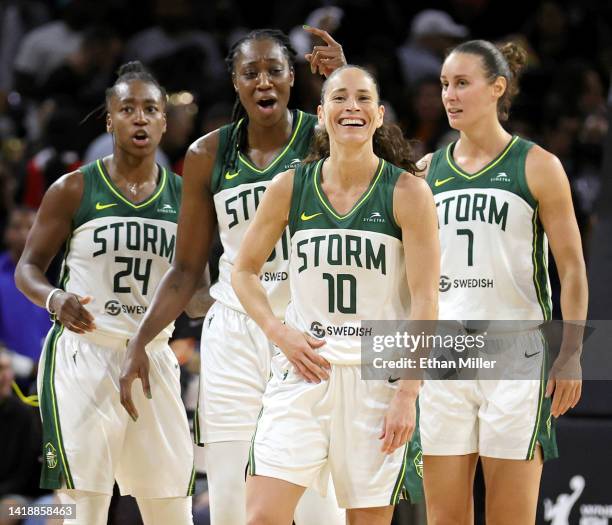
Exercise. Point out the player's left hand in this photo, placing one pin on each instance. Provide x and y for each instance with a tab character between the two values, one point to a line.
324	59
399	422
565	385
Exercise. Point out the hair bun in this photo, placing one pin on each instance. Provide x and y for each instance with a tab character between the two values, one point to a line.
131	67
516	57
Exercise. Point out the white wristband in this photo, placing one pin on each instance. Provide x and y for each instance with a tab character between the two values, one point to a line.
49	297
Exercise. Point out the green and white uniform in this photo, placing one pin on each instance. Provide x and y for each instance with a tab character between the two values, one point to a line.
494	266
343	269
235	353
117	254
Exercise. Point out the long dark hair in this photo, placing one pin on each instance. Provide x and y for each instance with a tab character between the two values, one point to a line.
505	61
240	118
388	140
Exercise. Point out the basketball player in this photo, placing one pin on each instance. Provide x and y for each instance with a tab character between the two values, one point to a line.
500	199
117	219
361	229
226	173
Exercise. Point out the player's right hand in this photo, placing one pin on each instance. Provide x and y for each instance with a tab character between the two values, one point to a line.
299	348
69	310
136	365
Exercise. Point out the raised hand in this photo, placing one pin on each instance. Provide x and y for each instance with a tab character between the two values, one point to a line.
324	59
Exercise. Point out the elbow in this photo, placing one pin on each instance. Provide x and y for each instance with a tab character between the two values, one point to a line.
18	278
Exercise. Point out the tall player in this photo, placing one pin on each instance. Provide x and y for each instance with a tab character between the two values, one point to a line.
361	229
500	200
226	173
117	218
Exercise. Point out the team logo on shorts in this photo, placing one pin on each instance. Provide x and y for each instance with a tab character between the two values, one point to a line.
50	455
418	464
445	283
112	307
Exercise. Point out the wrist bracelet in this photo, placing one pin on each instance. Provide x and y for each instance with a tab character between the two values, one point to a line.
49	297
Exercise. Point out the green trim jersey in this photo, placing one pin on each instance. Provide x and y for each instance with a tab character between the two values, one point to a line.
345	268
119	251
494	260
237	194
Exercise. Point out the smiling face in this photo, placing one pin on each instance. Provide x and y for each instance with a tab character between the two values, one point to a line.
468	95
350	111
136	116
263	79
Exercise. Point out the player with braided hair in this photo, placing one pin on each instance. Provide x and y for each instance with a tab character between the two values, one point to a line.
226	173
117	218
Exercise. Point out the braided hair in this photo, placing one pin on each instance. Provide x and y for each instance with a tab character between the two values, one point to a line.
240	118
133	71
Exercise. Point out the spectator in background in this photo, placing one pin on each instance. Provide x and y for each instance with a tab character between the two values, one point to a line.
175	45
20	438
427	123
15	309
57	152
432	32
82	77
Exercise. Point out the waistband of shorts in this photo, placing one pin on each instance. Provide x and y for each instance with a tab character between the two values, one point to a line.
114	341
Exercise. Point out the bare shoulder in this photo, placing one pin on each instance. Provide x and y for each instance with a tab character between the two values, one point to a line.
283	182
200	161
540	159
68	187
412	198
543	171
412	187
205	147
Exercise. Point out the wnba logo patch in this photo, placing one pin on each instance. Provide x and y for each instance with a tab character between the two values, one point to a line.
50	455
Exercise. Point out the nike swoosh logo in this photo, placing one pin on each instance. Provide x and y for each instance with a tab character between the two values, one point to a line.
305	217
439	182
230	176
393	379
531	355
100	206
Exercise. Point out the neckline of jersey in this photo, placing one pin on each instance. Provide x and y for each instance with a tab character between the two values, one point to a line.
297	124
455	167
115	190
364	197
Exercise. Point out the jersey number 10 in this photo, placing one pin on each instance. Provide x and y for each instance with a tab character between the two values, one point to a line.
336	288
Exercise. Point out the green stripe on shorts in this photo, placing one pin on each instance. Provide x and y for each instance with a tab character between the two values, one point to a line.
252	449
191	488
399	482
55	462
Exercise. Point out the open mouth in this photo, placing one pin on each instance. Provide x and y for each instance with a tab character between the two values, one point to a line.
454	111
141	137
352	122
266	103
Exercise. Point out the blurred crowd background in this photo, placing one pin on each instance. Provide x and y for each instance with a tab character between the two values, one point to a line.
58	57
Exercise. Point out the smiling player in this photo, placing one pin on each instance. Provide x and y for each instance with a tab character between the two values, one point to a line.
226	174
